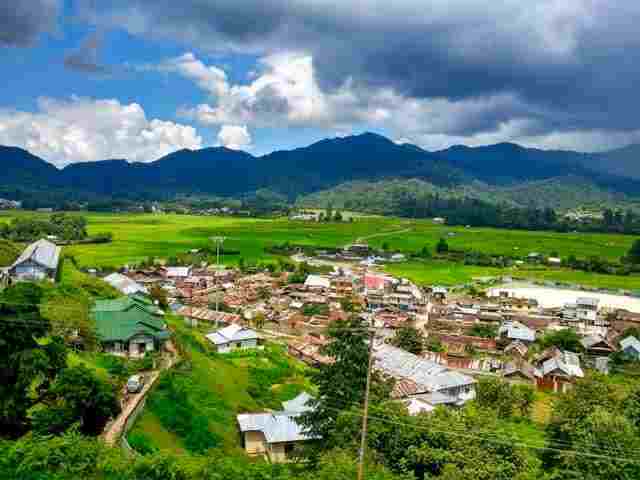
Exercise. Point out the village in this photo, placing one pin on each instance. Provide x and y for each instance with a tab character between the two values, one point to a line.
497	332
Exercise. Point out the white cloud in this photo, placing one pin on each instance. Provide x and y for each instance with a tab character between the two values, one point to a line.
83	129
235	137
210	78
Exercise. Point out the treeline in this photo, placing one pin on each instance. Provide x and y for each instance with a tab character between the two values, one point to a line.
62	225
65	227
478	213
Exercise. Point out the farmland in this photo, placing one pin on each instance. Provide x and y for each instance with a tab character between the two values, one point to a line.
139	236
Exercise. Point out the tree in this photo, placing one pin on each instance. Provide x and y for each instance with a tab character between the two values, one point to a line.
77	395
341	384
27	366
442	246
410	339
566	339
425	252
159	294
634	253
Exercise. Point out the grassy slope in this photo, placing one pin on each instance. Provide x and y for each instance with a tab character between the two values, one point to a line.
9	251
218	387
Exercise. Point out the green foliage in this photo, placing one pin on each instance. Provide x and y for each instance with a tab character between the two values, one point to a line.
410	339
341	384
504	398
171	403
76	395
634	253
442	246
28	366
263	375
159	294
483	330
566	339
64	226
141	443
310	309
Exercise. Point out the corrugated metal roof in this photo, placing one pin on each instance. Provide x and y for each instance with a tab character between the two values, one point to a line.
298	404
630	341
427	375
232	333
124	284
278	426
42	252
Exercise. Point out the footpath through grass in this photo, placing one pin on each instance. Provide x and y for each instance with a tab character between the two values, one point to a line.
193	407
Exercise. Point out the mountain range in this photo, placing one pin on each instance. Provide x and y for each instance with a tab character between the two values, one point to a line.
325	165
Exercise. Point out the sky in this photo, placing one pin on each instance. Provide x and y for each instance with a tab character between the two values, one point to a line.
87	80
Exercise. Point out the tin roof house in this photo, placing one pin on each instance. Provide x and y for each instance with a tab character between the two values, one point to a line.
275	435
420	378
39	261
233	337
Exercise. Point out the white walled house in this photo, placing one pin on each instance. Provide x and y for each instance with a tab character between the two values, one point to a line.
39	261
233	337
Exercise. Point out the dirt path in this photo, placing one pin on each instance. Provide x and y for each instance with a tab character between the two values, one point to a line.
383	234
113	430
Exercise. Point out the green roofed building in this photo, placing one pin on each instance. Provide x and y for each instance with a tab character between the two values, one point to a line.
129	325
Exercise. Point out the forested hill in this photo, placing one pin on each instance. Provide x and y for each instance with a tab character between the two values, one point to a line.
320	166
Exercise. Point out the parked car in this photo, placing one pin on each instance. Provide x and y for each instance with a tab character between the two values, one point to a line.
135	383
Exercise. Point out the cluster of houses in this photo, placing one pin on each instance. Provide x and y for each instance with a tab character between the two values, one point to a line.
238	309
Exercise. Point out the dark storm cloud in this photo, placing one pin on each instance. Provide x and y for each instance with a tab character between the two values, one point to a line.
85	58
22	21
570	63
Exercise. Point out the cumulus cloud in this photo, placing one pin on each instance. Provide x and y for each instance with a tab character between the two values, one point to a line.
564	64
22	21
83	129
235	137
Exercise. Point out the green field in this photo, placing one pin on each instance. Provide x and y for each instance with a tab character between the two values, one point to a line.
138	236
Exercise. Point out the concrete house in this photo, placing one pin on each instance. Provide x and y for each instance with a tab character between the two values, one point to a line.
233	337
39	261
129	326
274	435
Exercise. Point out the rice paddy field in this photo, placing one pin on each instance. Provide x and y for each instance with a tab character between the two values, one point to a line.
139	236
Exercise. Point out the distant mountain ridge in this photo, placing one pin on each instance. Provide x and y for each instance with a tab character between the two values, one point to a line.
320	166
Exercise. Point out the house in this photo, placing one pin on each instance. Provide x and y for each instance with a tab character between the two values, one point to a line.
560	371
317	282
630	347
517	331
124	284
275	434
427	402
129	326
597	345
39	261
176	272
517	348
519	372
416	375
554	261
233	337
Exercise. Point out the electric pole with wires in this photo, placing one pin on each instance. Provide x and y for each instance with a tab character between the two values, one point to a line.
363	436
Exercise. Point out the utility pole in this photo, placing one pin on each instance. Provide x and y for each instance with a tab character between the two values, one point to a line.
363	438
218	241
